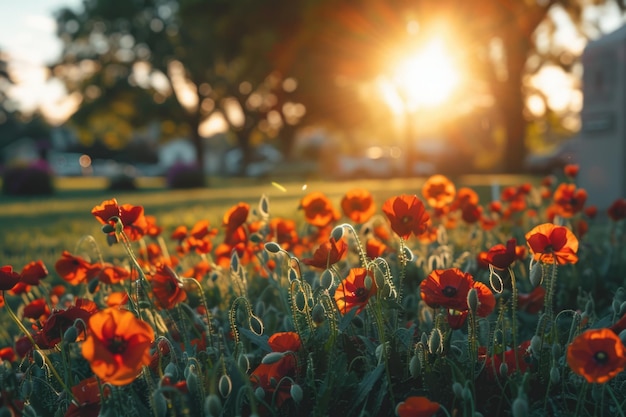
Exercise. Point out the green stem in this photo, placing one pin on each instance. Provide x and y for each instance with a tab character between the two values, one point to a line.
514	315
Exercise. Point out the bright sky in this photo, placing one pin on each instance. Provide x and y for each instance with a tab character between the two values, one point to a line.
28	36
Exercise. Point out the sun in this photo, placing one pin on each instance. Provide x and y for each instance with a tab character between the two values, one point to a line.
418	79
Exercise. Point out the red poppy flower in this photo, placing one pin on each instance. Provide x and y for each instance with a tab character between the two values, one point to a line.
318	209
549	244
617	210
374	248
438	191
8	278
7	354
283	232
493	363
132	217
353	291
118	345
417	407
34	272
591	211
112	274
36	309
447	288
407	215
167	287
471	213
267	376
87	395
60	320
358	205
116	299
199	271
486	299
75	269
571	170
597	354
327	254
284	342
533	301
569	200
501	256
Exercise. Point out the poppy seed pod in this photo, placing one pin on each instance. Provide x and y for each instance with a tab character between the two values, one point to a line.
70	335
414	366
243	362
504	370
520	407
171	370
435	344
259	393
535	345
457	389
318	314
555	376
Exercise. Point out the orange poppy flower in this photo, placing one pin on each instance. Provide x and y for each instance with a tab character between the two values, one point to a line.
112	274
358	205
617	210
167	287
318	209
597	354
118	345
438	191
283	232
235	217
75	269
116	299
374	248
353	291
8	278
417	407
132	217
285	342
327	254
152	229
407	215
549	244
569	200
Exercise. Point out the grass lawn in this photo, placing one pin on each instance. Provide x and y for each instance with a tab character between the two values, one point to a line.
42	227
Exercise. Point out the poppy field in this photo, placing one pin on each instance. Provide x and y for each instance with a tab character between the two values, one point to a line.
430	302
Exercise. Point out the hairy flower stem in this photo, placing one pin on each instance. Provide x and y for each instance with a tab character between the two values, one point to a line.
36	348
550	292
514	315
206	308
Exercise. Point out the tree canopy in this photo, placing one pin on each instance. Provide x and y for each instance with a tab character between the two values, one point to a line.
267	66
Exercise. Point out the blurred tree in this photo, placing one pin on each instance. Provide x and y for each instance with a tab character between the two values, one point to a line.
344	43
8	122
179	62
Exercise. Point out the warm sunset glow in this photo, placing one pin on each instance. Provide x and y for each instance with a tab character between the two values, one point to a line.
425	78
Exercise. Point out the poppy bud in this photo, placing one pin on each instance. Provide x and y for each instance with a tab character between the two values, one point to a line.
414	366
92	286
367	282
70	334
556	351
435	344
225	386
318	314
192	379
272	357
536	274
300	301
472	300
457	389
292	274
260	308
234	261
520	407
107	228
272	247
379	278
622	309
326	279
616	306
337	233
243	362
159	403
408	254
535	345
171	370
256	238
259	393
212	405
26	388
296	392
256	325
504	369
264	206
555	376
